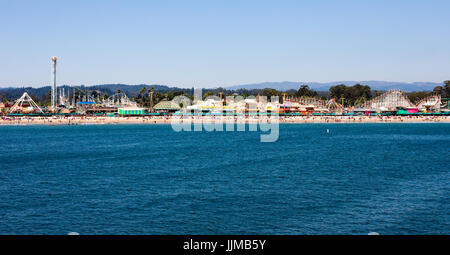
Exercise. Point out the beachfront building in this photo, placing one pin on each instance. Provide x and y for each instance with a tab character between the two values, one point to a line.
304	106
248	105
271	107
229	106
210	105
129	111
166	107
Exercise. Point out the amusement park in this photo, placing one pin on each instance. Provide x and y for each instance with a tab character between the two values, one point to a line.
75	101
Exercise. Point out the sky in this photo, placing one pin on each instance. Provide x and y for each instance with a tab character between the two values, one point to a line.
223	43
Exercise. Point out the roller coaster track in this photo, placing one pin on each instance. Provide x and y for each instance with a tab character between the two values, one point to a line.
434	102
389	100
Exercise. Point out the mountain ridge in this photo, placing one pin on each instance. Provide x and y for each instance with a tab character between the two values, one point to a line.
324	86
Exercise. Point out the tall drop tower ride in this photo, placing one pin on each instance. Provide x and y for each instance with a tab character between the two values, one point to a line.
54	91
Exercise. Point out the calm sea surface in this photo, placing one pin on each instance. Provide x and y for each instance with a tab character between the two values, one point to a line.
148	179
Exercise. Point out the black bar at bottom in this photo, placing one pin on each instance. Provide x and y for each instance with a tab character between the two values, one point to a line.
231	245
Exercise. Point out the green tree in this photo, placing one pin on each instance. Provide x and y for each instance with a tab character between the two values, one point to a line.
141	97
415	97
305	91
447	88
142	90
360	101
444	91
271	92
207	94
353	95
3	99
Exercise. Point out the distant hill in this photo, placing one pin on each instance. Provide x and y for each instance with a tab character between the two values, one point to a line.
375	85
12	93
132	89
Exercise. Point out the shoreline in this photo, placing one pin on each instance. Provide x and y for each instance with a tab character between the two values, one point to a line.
52	121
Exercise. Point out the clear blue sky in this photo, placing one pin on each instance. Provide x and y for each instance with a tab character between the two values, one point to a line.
220	43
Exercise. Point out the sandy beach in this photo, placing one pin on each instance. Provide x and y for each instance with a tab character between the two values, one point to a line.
85	120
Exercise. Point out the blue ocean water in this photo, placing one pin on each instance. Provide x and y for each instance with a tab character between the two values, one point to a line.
148	179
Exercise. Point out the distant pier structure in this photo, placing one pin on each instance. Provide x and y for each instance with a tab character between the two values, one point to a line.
54	90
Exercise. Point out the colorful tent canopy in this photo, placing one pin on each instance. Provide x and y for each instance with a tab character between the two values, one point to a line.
166	105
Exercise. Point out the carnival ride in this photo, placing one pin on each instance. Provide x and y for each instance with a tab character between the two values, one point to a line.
118	100
432	102
25	104
390	100
304	104
333	105
80	96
